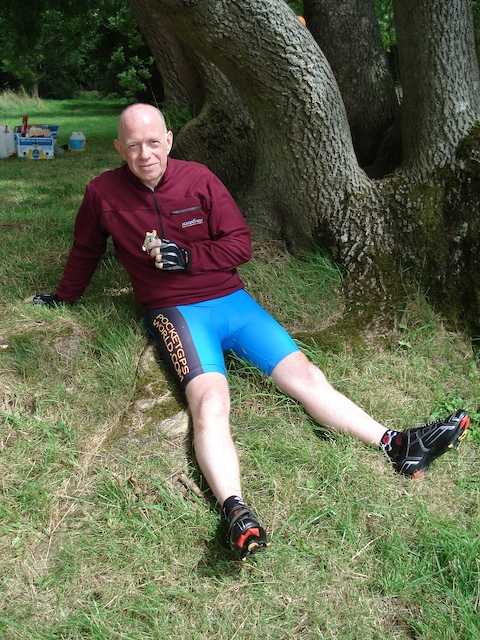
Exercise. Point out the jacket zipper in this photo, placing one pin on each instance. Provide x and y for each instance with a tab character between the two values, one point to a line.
159	215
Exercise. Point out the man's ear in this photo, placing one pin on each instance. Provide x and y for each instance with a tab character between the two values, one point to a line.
169	141
119	148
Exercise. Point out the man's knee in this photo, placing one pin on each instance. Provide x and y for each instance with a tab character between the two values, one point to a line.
213	404
309	376
297	371
208	399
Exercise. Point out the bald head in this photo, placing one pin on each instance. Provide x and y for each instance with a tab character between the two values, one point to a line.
139	113
144	142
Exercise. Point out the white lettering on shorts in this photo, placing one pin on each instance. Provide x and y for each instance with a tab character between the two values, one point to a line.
173	345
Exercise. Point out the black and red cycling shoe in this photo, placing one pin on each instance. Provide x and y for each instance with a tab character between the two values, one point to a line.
412	451
245	534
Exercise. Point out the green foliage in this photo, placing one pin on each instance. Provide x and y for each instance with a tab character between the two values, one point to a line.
20	36
296	6
60	48
19	101
121	62
384	11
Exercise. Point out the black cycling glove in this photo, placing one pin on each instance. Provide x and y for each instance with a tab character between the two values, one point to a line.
47	299
172	257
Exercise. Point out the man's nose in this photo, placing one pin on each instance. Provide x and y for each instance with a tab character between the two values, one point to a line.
144	151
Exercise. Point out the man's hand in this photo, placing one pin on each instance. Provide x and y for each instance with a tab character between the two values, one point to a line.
168	255
172	257
47	299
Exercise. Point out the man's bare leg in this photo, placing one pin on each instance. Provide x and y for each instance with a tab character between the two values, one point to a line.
209	401
411	452
208	398
302	380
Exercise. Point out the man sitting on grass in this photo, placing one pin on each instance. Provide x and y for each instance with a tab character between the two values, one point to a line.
180	236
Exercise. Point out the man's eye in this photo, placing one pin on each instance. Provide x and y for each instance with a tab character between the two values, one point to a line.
155	143
132	146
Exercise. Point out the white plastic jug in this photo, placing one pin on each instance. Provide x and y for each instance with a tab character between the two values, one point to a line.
3	145
11	146
76	142
7	142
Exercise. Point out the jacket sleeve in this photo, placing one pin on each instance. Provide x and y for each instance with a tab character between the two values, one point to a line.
89	243
230	241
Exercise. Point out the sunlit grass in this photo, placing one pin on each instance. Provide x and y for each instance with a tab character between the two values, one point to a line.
96	542
16	101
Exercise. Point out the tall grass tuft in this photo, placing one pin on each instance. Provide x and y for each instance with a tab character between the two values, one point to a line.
20	99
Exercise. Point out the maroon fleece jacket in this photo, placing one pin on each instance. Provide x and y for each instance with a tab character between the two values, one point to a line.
189	206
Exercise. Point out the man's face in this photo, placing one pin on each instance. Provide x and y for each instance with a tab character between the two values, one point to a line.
144	144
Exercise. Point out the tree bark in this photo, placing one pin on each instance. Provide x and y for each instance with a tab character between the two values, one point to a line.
307	182
348	34
221	131
301	126
308	186
440	80
220	137
181	80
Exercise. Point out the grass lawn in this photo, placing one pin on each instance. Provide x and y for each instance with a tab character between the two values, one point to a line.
97	540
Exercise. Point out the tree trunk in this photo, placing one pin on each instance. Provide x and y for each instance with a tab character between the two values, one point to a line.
220	134
301	126
307	181
182	83
220	137
454	277
440	80
348	34
308	186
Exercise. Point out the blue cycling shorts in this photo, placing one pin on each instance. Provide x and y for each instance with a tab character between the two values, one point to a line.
192	338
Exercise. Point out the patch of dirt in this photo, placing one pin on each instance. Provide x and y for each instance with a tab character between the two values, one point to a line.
157	424
271	251
115	292
9	400
154	410
8	438
65	335
68	346
13	226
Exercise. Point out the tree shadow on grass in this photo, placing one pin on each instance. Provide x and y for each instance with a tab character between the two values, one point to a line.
87	107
